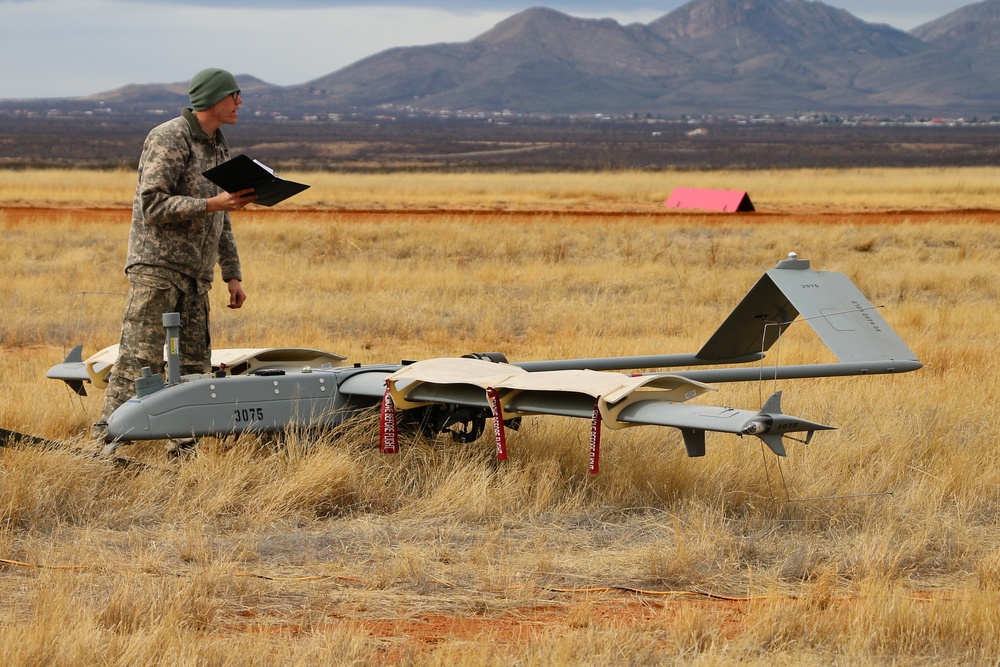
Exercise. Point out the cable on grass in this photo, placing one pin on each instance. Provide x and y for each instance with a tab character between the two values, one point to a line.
45	567
643	591
311	577
788	499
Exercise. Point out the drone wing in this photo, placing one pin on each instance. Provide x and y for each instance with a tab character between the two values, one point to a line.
568	393
620	400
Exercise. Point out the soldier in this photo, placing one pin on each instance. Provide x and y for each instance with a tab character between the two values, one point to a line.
180	230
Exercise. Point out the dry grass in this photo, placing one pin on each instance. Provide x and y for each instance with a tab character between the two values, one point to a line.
316	549
837	190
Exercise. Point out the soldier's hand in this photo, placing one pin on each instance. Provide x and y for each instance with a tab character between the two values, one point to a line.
231	201
236	294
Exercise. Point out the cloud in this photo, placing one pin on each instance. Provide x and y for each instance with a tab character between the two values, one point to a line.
891	9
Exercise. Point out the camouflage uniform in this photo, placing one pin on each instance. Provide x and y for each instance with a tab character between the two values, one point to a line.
173	247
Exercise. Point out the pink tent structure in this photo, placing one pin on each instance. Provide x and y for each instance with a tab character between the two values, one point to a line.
729	201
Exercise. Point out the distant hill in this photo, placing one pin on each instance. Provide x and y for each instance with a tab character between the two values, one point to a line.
708	56
748	56
797	54
536	61
971	34
174	95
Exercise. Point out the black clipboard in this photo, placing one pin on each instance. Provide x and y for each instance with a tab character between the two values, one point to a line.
242	172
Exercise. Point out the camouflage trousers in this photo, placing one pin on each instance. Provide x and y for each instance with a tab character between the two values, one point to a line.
143	336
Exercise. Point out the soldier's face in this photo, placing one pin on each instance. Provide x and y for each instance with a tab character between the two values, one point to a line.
227	110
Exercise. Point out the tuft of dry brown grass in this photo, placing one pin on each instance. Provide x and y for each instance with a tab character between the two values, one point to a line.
874	544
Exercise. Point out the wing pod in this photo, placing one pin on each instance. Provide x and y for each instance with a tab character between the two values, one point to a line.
769	424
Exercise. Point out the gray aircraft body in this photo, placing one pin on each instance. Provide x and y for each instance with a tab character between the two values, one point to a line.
461	395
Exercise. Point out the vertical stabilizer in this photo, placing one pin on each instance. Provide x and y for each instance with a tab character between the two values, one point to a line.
831	304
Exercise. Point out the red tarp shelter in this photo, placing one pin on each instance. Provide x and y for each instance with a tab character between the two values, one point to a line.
710	200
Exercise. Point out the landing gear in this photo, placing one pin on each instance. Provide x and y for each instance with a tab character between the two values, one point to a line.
465	424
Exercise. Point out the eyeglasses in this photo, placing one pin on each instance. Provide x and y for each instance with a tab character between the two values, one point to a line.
235	96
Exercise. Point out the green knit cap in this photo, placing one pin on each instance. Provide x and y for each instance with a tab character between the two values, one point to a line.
209	86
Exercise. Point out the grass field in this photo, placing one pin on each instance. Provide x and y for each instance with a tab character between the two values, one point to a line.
875	544
798	190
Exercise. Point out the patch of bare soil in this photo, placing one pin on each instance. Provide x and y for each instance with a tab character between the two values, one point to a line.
415	628
25	214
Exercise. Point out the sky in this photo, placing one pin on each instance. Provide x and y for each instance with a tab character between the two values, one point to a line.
67	48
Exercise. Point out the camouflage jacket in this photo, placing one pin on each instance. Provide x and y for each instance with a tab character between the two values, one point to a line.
171	227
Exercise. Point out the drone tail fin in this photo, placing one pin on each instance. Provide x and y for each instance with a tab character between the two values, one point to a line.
72	371
834	307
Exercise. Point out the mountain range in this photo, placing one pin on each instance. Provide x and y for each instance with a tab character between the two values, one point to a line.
707	56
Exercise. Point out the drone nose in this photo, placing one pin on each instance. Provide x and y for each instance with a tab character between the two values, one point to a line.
129	422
